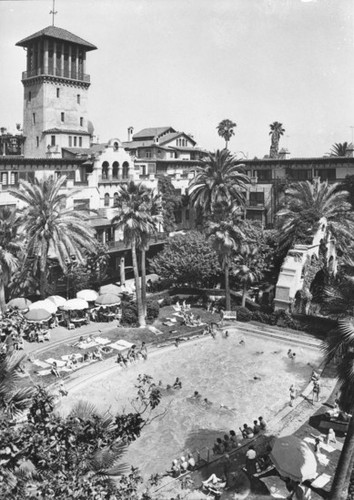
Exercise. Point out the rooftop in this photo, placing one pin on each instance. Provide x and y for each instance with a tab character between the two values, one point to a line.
58	34
152	132
65	131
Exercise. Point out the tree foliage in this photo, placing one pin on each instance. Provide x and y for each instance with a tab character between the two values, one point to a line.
276	131
219	185
188	259
226	130
341	149
10	248
305	204
171	201
49	228
78	456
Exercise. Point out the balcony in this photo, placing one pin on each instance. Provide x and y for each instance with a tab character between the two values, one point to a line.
80	183
120	245
73	75
113	180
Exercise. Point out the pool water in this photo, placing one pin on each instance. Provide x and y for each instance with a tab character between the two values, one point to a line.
222	371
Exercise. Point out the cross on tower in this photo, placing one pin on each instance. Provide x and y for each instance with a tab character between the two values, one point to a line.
53	12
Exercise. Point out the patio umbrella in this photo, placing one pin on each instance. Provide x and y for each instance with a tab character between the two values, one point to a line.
75	305
110	289
58	300
19	303
89	295
108	299
37	315
293	458
48	305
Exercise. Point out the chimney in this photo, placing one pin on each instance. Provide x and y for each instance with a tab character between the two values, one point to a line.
130	133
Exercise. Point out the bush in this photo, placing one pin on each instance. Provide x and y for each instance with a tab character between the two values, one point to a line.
167	301
262	317
284	319
243	314
152	309
129	313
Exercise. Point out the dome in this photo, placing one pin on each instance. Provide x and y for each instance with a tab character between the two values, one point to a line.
90	128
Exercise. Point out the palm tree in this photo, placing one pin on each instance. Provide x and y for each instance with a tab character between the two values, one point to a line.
226	238
13	399
276	131
306	203
250	267
339	344
134	219
51	229
219	185
9	250
226	130
341	149
154	210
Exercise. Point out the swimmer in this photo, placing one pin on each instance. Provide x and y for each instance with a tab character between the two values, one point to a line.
226	334
242	342
196	395
256	378
276	352
293	356
177	342
177	384
224	407
206	402
289	354
259	352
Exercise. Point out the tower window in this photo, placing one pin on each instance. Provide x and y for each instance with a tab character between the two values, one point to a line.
34	118
29	96
62	114
75	141
37	138
70	141
52	140
78	97
58	92
81	121
80	142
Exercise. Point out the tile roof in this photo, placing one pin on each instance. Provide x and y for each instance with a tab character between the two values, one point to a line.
65	131
174	135
138	144
58	34
95	148
152	132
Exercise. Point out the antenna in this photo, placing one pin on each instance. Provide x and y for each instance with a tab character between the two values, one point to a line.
53	12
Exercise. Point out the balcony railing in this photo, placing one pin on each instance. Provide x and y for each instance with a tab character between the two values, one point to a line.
110	180
120	245
72	75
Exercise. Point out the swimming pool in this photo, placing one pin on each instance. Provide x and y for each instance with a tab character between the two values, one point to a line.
222	371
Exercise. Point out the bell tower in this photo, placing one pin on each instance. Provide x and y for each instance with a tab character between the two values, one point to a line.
55	92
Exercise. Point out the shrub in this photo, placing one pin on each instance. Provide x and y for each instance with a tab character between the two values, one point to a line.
129	313
167	301
284	319
243	314
152	309
261	317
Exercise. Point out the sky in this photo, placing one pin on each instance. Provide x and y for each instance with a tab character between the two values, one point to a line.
191	63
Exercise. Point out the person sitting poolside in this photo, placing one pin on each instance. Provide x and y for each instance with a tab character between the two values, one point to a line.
191	462
256	427
183	465
175	469
54	369
97	354
262	423
227	442
218	448
247	432
69	364
233	439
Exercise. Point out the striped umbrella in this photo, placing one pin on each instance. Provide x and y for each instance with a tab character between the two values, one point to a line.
108	299
19	303
37	316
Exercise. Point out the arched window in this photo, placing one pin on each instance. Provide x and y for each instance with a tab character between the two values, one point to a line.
105	166
115	168
106	200
115	199
125	170
115	146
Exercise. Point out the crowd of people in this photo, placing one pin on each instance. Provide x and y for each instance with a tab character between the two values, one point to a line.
132	355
